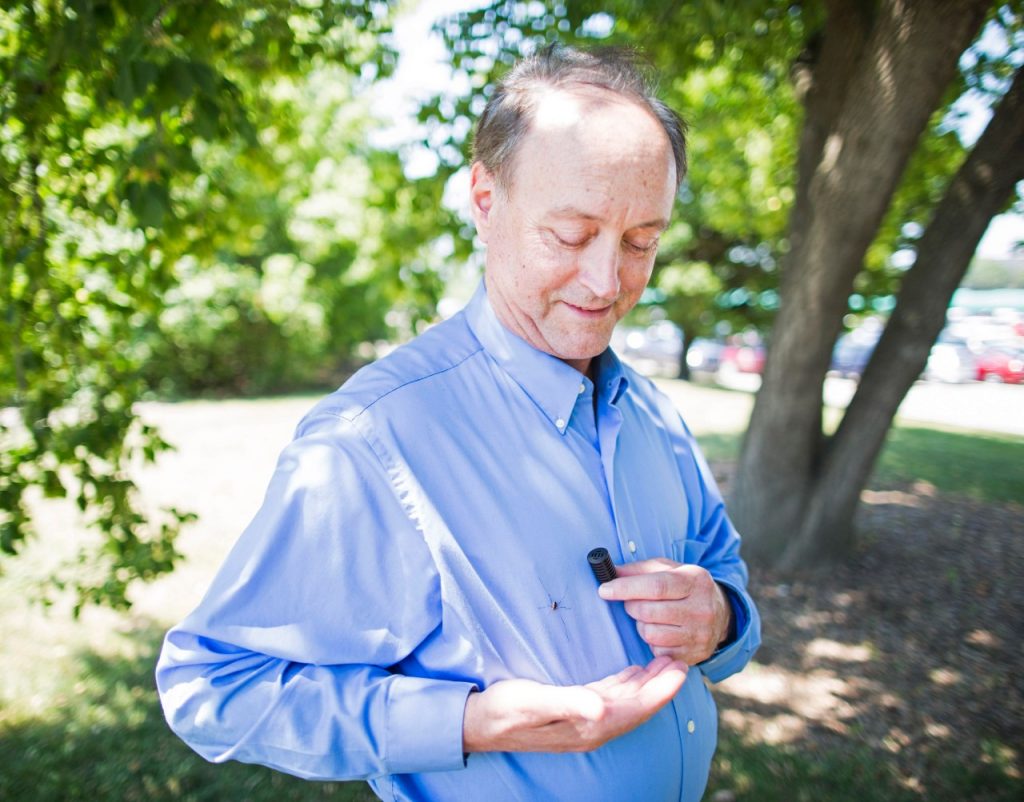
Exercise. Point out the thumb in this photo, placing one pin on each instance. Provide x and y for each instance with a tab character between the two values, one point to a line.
660	689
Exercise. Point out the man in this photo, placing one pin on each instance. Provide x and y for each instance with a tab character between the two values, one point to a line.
412	604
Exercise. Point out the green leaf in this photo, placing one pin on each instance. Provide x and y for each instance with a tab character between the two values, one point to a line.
144	75
124	84
154	204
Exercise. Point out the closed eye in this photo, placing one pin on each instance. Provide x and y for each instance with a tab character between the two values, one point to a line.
641	248
572	241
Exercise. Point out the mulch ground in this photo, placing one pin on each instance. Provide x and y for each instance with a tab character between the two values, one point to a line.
911	648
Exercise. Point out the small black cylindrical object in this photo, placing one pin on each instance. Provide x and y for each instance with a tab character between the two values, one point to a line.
601	564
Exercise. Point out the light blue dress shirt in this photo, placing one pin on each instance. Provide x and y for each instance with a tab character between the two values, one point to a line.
426	534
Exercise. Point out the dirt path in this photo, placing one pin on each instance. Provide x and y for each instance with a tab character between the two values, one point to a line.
911	650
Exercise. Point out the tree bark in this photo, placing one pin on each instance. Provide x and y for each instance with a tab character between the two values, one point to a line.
978	191
684	365
908	59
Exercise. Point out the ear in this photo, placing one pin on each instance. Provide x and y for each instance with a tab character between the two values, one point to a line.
482	191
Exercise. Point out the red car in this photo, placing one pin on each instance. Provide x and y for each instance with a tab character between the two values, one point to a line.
743	358
1001	363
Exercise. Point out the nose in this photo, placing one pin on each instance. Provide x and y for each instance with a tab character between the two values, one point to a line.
599	269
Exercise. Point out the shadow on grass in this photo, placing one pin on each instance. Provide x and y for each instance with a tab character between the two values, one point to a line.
802	772
107	740
895	674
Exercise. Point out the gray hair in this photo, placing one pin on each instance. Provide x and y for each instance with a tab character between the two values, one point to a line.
506	118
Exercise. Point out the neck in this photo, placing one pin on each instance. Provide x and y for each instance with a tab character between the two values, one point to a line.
585	366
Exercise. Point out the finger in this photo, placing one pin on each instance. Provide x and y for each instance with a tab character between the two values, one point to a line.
672	583
660	689
629	685
651	566
671	637
672	612
615	679
669	663
655	667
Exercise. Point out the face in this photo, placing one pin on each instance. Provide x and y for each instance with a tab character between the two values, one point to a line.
571	240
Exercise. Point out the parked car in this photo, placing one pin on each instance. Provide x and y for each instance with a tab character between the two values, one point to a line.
743	357
852	352
951	362
655	349
704	355
1001	363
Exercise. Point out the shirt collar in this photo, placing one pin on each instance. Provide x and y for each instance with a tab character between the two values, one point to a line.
612	376
551	383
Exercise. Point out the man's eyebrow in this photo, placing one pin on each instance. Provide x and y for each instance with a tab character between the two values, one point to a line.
572	211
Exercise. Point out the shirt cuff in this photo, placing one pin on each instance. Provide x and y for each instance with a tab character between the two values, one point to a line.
737	651
424	724
740	616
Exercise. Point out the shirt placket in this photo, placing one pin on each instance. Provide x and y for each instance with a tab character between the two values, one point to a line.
609	423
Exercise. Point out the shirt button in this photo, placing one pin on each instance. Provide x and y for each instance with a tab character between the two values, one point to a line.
632	547
690	726
560	423
582	390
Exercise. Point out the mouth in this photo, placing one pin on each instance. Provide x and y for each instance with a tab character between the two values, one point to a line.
590	313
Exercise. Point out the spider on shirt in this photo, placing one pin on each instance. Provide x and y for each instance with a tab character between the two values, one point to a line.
556	606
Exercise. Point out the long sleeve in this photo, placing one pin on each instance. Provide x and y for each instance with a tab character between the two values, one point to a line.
286	660
716	548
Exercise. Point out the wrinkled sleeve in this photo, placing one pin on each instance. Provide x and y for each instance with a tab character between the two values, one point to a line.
286	660
716	547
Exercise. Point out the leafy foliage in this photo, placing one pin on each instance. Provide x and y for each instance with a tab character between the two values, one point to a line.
188	197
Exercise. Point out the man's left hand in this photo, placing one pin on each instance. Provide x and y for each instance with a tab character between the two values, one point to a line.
680	610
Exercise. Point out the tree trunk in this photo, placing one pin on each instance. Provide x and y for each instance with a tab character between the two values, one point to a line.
978	191
909	57
684	366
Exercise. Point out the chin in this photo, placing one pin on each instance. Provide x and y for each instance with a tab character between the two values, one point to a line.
582	352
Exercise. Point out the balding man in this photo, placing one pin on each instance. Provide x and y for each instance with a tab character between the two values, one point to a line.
413	604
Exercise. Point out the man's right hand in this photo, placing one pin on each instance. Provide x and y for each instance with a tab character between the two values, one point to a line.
521	715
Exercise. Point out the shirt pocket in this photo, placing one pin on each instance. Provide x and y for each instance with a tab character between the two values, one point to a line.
689	550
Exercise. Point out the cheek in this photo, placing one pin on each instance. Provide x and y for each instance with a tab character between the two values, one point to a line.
544	271
636	276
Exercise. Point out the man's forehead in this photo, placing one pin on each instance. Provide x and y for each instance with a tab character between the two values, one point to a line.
565	107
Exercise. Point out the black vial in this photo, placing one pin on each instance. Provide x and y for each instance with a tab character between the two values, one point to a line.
601	564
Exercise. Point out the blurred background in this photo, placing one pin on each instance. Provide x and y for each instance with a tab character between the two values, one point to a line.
215	212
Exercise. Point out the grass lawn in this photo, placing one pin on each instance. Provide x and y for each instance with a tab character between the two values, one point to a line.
79	719
100	735
982	466
757	772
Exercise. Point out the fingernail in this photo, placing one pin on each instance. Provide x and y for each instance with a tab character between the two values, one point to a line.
605	592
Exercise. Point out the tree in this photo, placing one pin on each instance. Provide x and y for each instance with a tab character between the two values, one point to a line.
836	151
879	76
133	141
